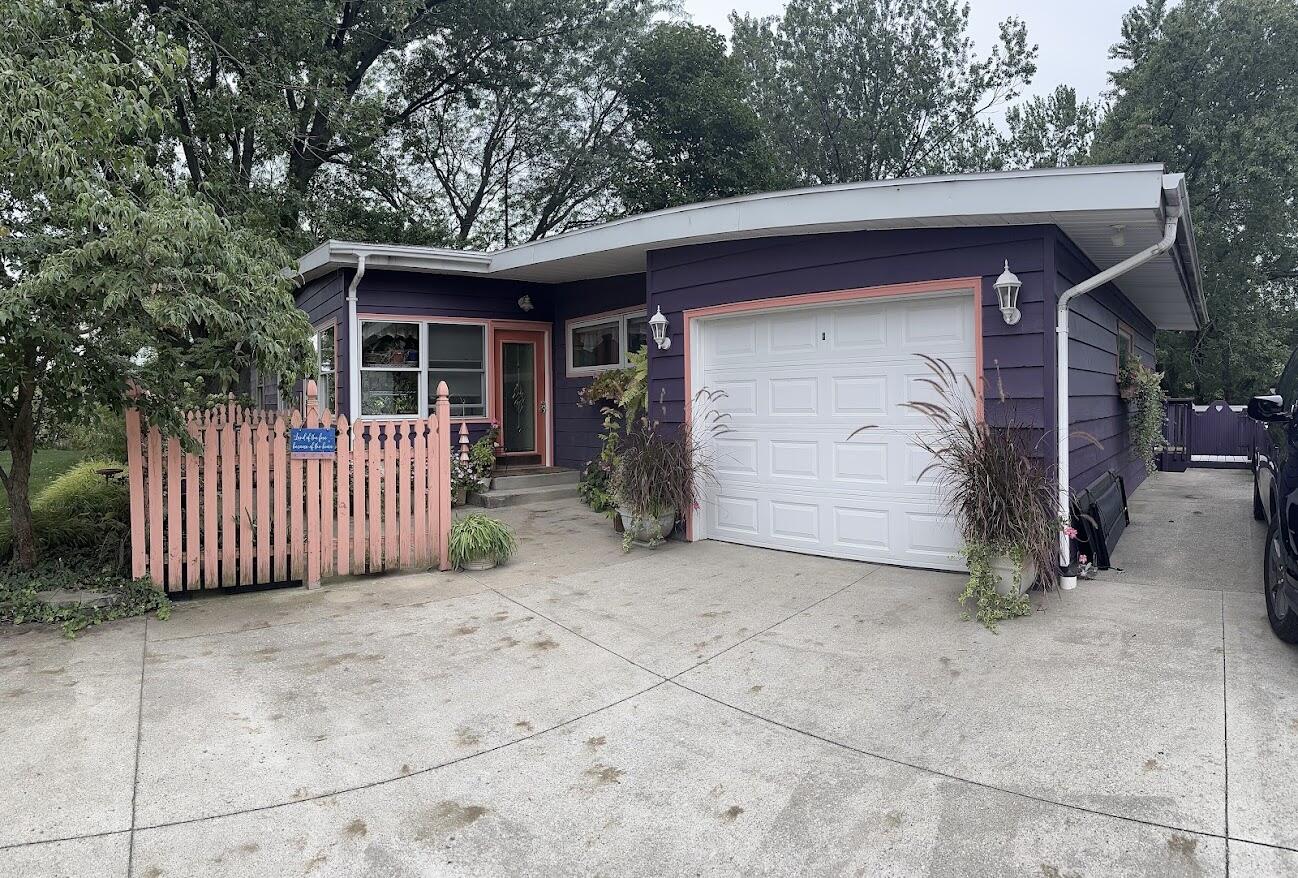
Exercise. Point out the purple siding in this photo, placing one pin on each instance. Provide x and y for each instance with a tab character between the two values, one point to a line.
1095	408
577	427
1014	357
325	299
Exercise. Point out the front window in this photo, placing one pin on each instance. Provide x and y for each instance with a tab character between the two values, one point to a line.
605	342
457	355
1126	348
390	368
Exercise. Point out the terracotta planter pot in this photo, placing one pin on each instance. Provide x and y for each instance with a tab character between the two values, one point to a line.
459	496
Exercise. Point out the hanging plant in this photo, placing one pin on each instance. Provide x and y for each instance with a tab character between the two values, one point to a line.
1143	387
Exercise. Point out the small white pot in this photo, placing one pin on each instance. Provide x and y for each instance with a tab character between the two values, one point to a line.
1003	570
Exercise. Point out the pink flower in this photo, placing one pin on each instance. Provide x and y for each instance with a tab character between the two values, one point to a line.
1081	559
1070	531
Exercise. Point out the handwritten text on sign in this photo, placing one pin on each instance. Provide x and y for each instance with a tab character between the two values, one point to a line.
312	443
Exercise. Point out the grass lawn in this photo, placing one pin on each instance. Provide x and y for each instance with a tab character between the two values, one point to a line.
47	465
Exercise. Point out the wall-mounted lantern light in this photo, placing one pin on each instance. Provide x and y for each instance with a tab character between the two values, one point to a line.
1007	290
658	326
525	303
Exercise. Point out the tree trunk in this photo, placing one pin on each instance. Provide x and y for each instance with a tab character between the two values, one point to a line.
18	487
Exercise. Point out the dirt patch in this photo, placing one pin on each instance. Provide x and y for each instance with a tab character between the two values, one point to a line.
605	774
467	738
545	645
1183	845
731	814
596	742
465	630
448	816
356	829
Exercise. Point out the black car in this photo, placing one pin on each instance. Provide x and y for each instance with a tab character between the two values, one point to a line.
1275	500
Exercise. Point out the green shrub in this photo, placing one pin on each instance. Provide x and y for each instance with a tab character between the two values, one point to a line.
81	513
482	454
101	433
19	604
480	536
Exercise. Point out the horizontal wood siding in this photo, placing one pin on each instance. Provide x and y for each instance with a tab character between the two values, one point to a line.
1014	357
1098	416
577	427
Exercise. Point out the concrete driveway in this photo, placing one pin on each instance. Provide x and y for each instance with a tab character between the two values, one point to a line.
699	709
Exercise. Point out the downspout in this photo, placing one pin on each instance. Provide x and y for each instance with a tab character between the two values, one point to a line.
1173	217
354	342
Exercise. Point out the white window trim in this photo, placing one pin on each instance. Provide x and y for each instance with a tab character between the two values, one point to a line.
620	318
419	369
332	404
423	323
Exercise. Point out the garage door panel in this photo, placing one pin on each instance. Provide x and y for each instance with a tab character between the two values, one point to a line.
797	384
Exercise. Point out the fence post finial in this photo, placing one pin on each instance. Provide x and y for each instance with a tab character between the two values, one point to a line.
311	395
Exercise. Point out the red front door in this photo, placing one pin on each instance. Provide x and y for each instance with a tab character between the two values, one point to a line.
521	393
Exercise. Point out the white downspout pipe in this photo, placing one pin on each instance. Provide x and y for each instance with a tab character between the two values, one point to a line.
354	342
1061	369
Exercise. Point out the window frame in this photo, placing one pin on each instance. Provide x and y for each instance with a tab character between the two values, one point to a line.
485	371
327	326
425	409
418	369
1124	329
619	317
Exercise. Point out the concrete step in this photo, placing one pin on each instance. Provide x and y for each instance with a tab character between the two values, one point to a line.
551	476
496	498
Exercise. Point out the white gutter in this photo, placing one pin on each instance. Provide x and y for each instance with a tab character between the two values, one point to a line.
354	341
1173	216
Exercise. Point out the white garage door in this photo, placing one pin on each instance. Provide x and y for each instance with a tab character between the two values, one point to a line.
796	383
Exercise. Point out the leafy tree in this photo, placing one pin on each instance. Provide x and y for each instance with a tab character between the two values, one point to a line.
110	275
1211	89
871	89
1054	131
696	138
286	108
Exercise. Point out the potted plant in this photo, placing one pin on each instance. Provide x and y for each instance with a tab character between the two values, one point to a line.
1143	388
655	477
1000	492
464	479
480	542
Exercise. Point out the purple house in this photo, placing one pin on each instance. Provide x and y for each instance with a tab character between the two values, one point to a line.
808	308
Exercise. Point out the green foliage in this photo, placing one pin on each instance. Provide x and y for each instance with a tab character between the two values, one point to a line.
870	89
696	138
1002	495
991	607
1054	131
464	475
482	453
595	488
1149	405
100	432
47	465
112	274
1210	88
480	536
19	604
81	513
659	469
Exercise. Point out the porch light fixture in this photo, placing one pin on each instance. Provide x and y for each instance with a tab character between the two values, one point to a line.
658	326
525	303
1007	290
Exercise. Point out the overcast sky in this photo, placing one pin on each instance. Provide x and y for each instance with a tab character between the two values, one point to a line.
1073	38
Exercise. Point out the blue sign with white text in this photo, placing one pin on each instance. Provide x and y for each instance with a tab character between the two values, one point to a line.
312	442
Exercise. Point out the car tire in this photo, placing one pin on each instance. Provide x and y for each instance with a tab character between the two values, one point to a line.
1259	511
1279	612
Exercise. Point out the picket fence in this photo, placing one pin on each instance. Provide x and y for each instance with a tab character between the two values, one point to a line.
241	510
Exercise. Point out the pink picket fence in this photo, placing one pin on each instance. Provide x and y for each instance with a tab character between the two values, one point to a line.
242	510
